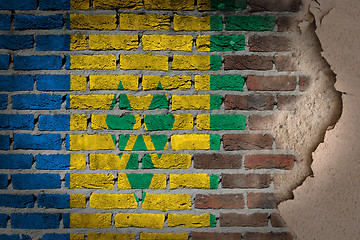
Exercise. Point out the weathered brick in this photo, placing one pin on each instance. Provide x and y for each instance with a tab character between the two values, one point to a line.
36	181
261	122
249	102
215	236
88	142
268	161
5	21
16	121
220	122
196	102
169	5
190	23
269	43
129	21
115	4
17	201
224	5
91	22
141	181
102	62
250	23
114	82
146	102
23	22
59	201
96	101
285	63
243	220
16	42
247	141
288	102
111	161
18	5
217	201
16	161
106	236
113	201
129	142
191	220
221	43
245	180
163	42
5	142
89	181
169	122
262	200
35	220
113	42
87	220
44	62
304	83
219	82
78	42
274	5
144	220
166	161
276	220
164	236
60	82
193	180
124	122
287	24
37	142
153	82
248	62
3	101
268	236
166	202
217	161
195	142
196	62
144	62
271	83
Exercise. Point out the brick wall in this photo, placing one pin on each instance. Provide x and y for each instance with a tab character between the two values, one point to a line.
144	119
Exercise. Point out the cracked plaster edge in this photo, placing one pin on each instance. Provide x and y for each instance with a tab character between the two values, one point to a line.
311	20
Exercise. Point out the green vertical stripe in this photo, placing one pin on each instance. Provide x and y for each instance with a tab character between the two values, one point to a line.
212	220
222	43
230	5
214	142
250	23
215	102
227	122
216	23
214	181
147	162
227	82
215	62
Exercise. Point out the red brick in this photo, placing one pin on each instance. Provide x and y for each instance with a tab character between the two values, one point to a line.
216	201
268	236
274	5
271	83
287	102
304	83
262	200
285	63
259	122
217	161
248	62
243	220
247	141
245	180
215	236
276	220
249	102
269	43
287	24
269	161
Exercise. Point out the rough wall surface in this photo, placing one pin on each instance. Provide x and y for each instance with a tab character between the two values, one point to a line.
156	119
326	205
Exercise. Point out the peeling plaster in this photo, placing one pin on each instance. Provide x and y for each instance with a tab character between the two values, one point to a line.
325	206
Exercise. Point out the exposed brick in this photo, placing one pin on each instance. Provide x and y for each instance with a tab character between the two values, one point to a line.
245	180
271	83
274	5
243	220
249	62
276	220
258	122
285	63
269	43
217	161
262	200
247	141
216	201
269	161
304	83
287	24
250	102
268	236
215	236
287	102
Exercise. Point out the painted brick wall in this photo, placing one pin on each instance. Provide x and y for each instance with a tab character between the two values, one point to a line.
143	119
